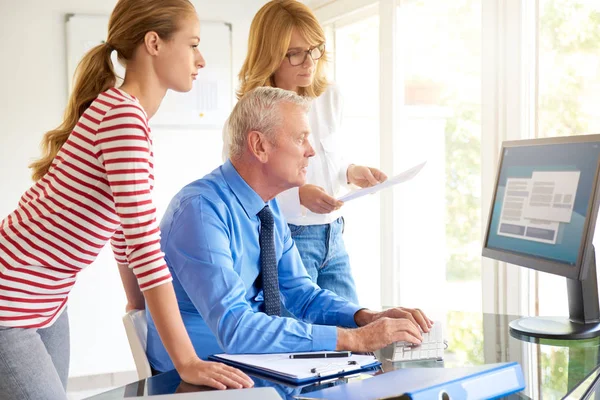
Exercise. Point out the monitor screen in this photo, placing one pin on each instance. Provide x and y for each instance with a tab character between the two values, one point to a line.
542	200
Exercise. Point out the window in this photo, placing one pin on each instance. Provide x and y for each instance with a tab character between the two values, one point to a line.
436	217
568	100
355	50
439	223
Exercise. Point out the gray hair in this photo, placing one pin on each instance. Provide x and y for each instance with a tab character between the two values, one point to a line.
259	110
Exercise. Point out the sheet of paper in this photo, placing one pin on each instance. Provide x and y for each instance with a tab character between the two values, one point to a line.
513	222
400	178
301	368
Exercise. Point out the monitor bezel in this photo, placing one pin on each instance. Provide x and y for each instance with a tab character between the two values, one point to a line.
578	271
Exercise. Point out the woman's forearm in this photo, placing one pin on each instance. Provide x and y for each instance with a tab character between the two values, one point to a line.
135	298
162	304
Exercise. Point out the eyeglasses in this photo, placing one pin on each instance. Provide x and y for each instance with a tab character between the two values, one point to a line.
299	57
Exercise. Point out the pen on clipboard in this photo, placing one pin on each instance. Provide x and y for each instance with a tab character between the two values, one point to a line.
337	354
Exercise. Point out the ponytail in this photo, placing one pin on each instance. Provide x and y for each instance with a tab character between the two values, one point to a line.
93	75
128	24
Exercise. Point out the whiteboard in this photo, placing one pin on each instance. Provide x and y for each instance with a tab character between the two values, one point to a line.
209	102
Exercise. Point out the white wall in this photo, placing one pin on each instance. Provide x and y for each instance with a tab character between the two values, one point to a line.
33	79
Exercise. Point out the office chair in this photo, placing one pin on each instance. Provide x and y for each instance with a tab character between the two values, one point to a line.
136	328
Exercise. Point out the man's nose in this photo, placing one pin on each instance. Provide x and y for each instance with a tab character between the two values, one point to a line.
310	152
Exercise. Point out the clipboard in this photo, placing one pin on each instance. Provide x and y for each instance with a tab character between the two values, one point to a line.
296	371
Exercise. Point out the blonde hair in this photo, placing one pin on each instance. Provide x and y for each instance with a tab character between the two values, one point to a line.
127	27
270	35
259	110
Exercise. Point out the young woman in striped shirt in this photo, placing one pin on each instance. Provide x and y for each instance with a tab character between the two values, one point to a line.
93	185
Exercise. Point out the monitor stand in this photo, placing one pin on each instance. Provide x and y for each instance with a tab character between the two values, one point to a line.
584	313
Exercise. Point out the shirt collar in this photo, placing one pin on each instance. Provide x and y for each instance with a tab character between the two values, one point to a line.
251	202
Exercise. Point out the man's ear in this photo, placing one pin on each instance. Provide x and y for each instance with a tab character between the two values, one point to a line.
151	42
259	146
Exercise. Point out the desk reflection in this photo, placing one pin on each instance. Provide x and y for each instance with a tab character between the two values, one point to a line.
551	368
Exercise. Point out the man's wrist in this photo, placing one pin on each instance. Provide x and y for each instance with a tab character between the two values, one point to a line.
364	316
344	339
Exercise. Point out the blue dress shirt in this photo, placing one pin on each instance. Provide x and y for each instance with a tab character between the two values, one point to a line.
210	235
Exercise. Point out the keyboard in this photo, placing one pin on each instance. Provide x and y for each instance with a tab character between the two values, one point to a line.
432	347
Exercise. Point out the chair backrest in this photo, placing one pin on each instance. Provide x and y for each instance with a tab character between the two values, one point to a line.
136	328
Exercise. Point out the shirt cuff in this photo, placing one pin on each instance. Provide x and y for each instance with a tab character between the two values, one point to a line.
324	337
346	315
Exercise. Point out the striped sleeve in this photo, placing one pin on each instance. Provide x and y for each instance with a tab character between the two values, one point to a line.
119	247
123	146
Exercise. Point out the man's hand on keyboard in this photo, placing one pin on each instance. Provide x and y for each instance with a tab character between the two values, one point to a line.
416	316
378	334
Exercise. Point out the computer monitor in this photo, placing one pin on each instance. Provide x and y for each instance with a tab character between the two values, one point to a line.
543	215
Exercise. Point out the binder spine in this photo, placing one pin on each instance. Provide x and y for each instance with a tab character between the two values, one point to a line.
489	384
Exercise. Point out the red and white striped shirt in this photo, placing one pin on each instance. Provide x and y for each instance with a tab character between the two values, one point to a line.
98	188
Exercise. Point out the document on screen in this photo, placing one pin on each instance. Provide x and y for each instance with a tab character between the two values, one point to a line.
552	195
513	222
533	208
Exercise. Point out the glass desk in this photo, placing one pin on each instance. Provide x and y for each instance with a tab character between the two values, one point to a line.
551	368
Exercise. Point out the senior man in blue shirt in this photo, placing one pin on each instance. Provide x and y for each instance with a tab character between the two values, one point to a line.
233	260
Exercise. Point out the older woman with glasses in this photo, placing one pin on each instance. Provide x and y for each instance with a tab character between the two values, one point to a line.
286	49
